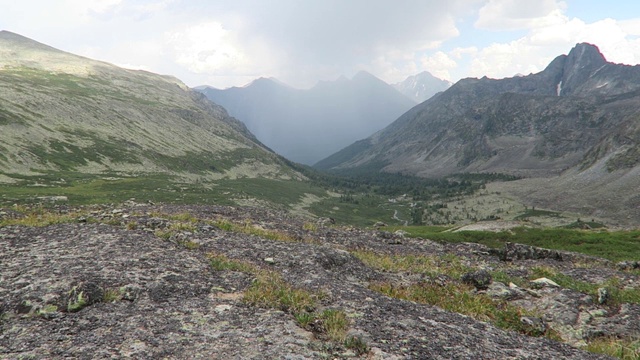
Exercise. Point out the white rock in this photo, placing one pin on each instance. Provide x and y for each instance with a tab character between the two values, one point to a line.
545	282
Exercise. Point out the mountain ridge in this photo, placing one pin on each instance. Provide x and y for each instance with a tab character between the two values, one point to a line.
63	112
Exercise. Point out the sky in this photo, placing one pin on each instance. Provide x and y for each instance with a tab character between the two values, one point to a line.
224	43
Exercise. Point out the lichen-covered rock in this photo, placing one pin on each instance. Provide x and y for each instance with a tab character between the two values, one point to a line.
499	290
513	251
480	279
146	297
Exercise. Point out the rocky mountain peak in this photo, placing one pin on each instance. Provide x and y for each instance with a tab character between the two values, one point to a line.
585	56
585	71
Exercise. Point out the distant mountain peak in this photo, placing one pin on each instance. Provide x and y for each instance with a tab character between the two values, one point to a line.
364	75
422	86
260	80
267	82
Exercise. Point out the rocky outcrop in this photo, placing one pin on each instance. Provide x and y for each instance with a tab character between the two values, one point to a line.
141	282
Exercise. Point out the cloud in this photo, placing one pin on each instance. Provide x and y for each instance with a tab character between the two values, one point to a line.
439	64
508	59
98	6
206	48
303	42
231	42
547	39
518	14
223	41
320	40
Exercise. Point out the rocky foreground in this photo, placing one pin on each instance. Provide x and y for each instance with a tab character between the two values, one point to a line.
175	282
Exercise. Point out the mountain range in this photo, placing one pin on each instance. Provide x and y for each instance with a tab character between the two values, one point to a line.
306	125
61	112
571	130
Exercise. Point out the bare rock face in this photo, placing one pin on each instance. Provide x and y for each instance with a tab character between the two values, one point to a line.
91	290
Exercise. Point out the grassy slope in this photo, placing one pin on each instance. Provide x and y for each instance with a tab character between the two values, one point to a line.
359	209
612	245
113	188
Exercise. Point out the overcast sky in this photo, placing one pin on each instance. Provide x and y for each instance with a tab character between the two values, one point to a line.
231	42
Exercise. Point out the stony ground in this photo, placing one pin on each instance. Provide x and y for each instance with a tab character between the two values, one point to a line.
138	281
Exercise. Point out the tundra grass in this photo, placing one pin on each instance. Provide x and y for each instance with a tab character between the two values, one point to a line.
250	229
612	245
618	292
159	188
41	217
625	349
112	188
362	210
459	298
451	265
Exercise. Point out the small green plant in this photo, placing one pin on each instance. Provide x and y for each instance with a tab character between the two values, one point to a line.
183	217
175	228
182	226
112	295
77	302
357	344
335	324
269	290
47	310
132	225
220	262
164	234
223	225
309	226
621	294
304	318
113	222
190	244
